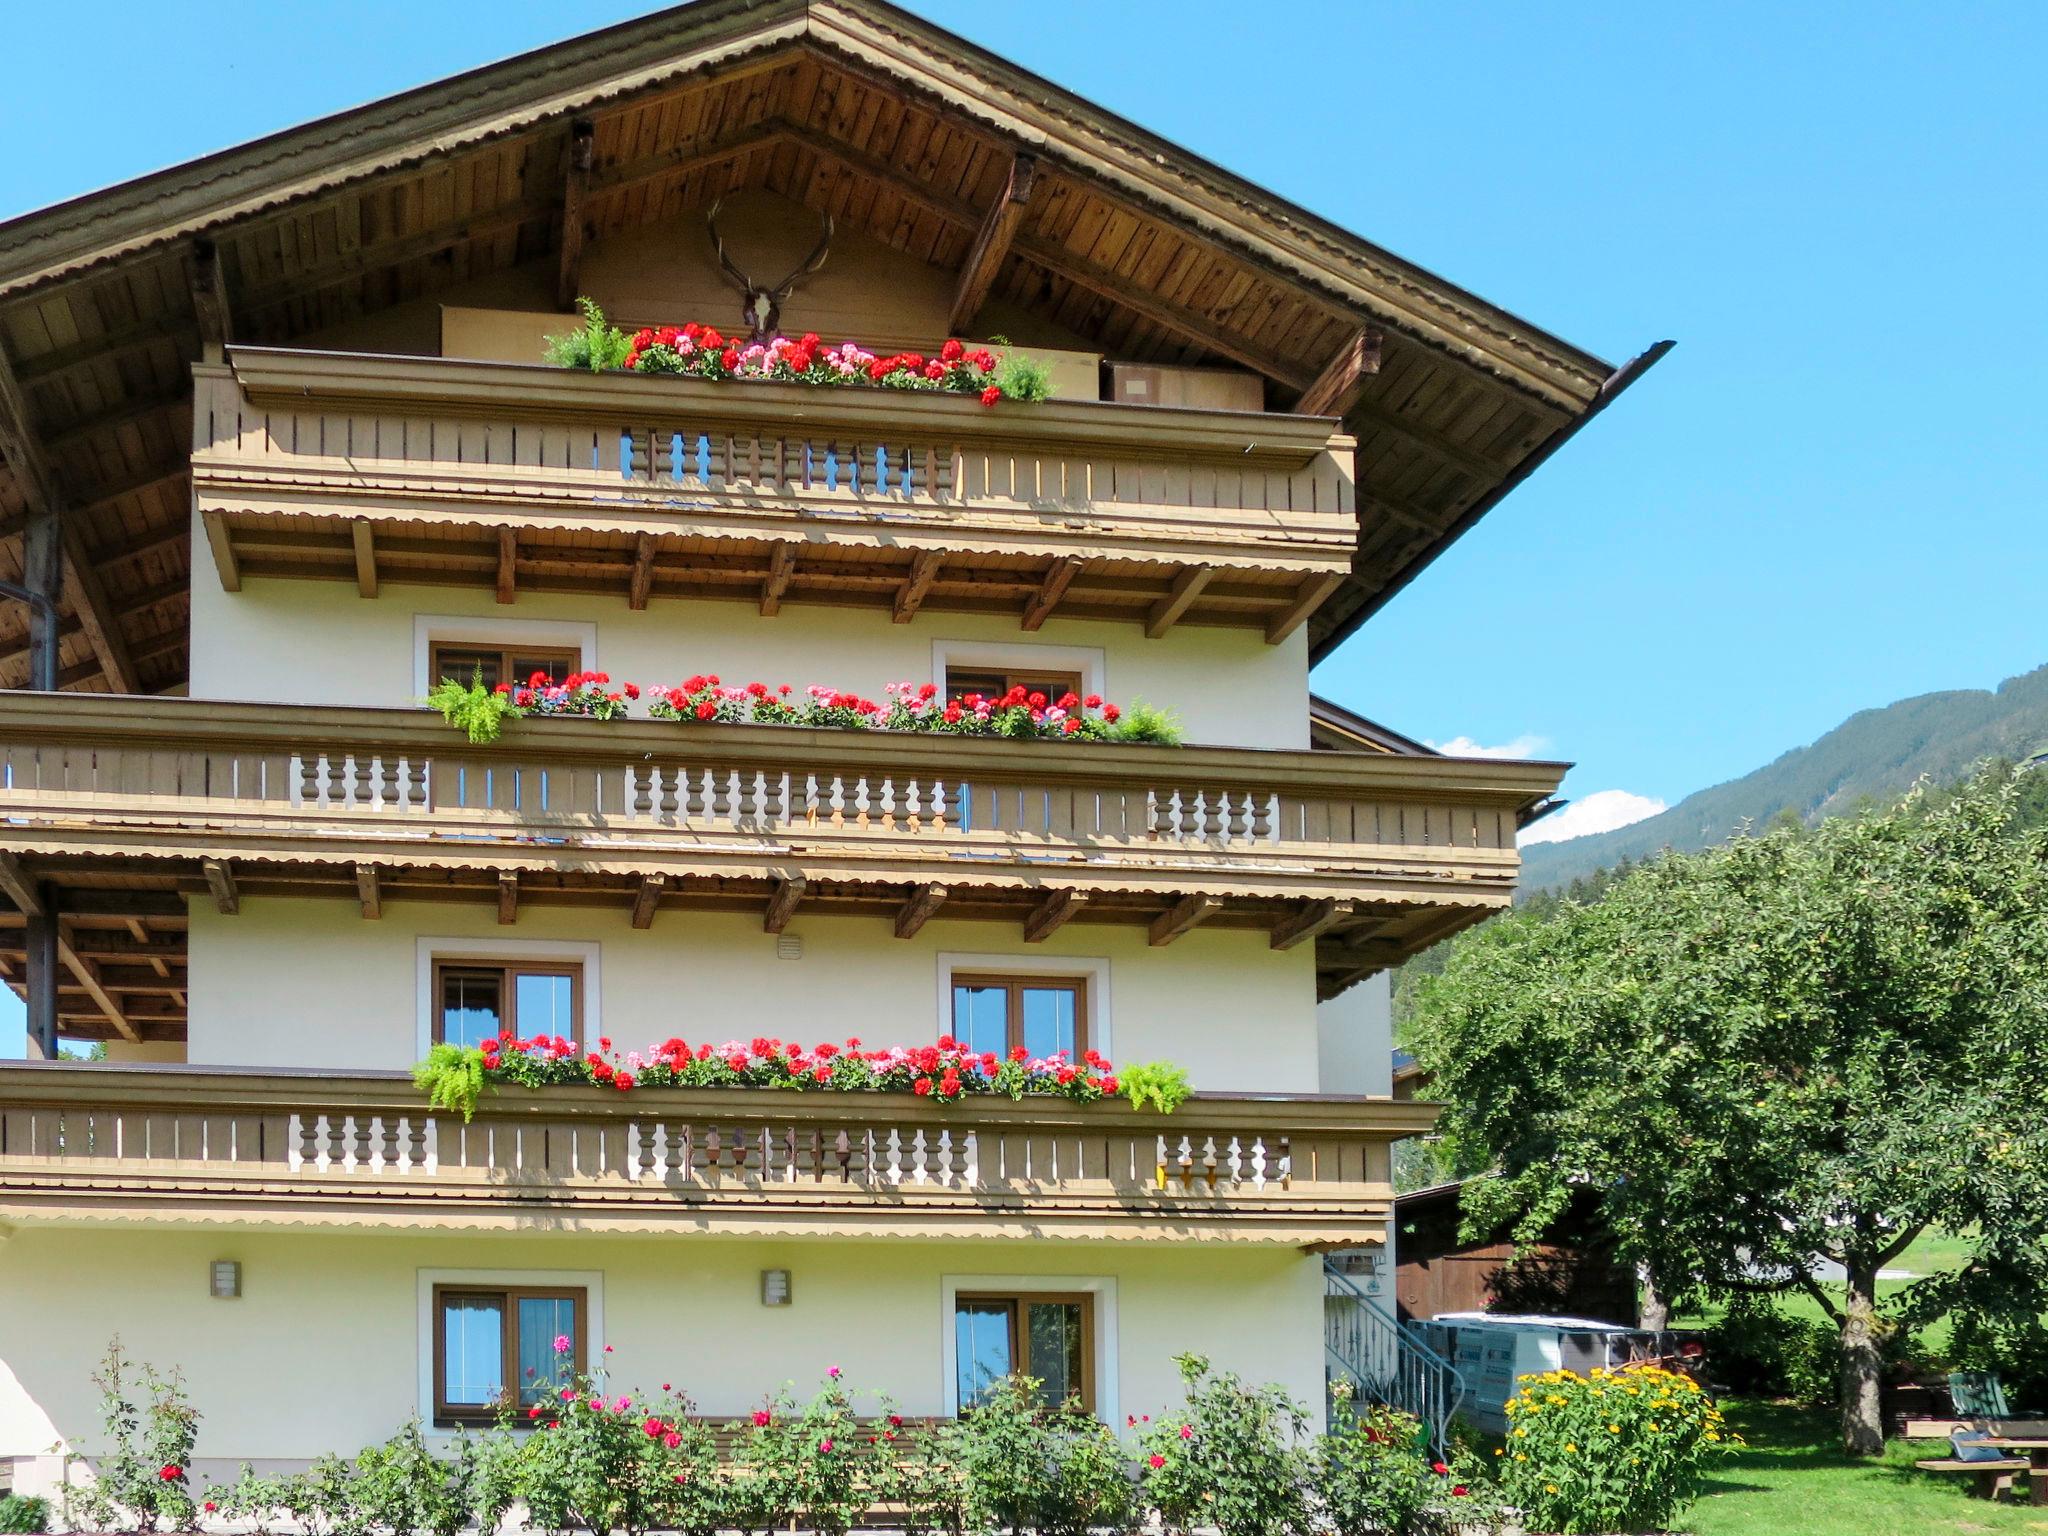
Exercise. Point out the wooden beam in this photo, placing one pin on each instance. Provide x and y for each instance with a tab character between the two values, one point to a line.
782	904
1187	586
18	886
1436	442
646	899
1308	920
1308	597
210	302
368	891
917	911
1052	589
126	412
581	153
508	898
82	586
924	570
1057	259
1188	912
89	979
508	564
220	879
1052	914
224	562
366	557
1337	388
643	573
991	245
781	566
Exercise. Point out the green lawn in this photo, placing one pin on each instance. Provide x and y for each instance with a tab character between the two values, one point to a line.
1793	1480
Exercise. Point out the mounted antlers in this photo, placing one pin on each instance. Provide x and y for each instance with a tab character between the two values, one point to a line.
763	308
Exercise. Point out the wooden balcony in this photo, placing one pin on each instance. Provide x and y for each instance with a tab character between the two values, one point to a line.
523	478
1370	856
232	1148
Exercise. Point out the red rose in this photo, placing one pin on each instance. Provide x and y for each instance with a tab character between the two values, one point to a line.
169	1473
761	1418
1438	1468
1155	1461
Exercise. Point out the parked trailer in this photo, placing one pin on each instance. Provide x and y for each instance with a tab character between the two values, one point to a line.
1492	1350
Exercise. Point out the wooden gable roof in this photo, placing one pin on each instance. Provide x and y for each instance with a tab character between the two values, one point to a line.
854	107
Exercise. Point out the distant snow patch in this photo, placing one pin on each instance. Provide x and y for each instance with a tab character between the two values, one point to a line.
1465	746
1601	811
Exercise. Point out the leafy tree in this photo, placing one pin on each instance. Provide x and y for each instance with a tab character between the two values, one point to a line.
1792	1052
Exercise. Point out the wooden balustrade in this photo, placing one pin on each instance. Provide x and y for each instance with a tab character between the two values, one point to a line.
173	1143
162	777
292	450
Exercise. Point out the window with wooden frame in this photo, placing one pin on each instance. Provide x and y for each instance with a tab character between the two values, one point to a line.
464	661
492	1343
1049	1336
476	999
1038	1014
994	682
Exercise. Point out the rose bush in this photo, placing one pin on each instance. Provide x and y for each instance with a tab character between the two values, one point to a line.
1376	1475
144	1479
1232	1457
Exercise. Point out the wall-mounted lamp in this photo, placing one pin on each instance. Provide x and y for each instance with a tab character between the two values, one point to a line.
775	1290
224	1279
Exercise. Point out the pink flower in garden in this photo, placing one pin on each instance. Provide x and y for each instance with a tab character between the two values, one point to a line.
761	1418
1187	1431
832	1371
825	1446
562	1344
1155	1461
671	1439
568	1394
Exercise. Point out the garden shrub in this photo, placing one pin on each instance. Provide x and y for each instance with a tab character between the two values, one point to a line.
1234	1457
1376	1473
2014	1347
803	1464
23	1513
1759	1350
1615	1450
599	1464
143	1478
1025	1467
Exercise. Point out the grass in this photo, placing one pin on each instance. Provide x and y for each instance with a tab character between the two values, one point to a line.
1793	1480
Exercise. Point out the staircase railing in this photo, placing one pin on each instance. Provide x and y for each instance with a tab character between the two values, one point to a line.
1382	1360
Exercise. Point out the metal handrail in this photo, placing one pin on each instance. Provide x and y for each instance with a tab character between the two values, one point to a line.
1383	1360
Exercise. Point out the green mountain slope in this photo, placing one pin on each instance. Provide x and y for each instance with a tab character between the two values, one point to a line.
1875	753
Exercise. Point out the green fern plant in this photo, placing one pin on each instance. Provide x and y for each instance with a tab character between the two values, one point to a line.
452	1077
1158	1084
1150	724
478	712
1020	377
597	346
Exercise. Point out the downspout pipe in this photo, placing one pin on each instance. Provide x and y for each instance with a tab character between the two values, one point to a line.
43	620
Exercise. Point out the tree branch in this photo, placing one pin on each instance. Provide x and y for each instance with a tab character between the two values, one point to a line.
1812	1288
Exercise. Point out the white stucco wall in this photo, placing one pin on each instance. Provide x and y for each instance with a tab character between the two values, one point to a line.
291	982
1355	1038
318	642
322	1350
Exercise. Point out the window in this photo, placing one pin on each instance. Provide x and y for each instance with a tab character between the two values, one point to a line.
1040	1014
476	999
1047	1336
994	682
465	660
484	1335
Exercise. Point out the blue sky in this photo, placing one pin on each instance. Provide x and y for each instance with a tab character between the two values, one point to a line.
1827	498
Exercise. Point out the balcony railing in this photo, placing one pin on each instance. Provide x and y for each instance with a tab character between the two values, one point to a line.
226	1146
1246	834
367	468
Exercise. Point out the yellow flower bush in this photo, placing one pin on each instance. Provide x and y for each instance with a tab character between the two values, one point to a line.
1617	1450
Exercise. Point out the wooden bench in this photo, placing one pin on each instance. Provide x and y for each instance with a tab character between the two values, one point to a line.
1992	1477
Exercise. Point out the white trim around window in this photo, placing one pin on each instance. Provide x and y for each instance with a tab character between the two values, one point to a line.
1101	1287
1012	656
1093	968
430	628
429	949
591	1280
